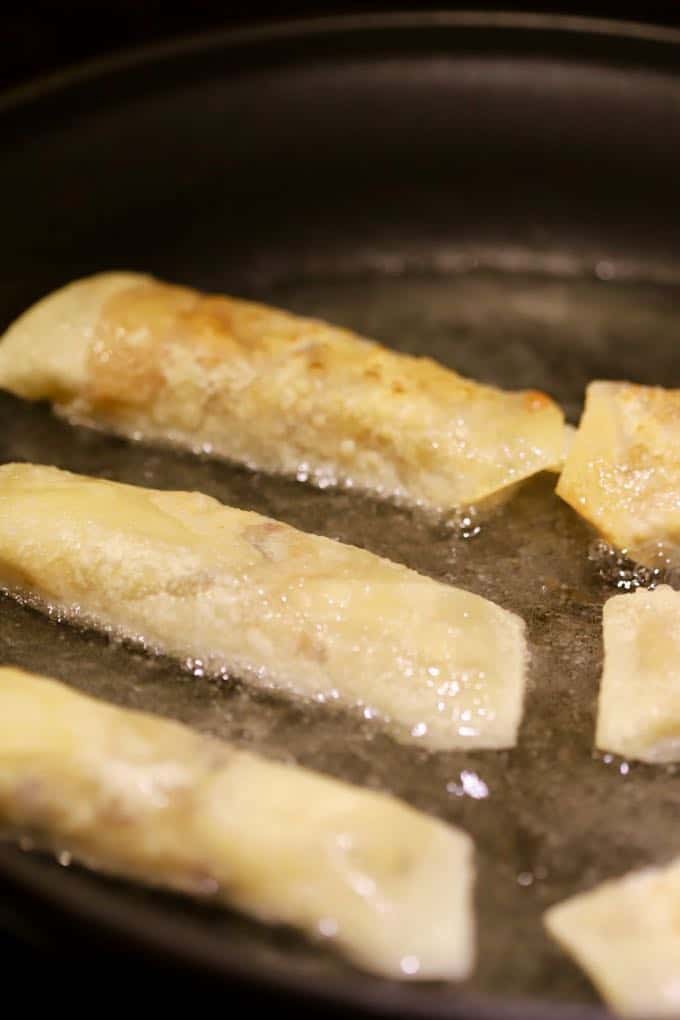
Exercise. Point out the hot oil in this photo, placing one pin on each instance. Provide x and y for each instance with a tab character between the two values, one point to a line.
549	817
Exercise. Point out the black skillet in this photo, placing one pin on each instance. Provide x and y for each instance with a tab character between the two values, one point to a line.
499	191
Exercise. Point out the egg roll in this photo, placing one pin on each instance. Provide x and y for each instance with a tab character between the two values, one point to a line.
639	704
622	470
625	936
282	609
278	392
144	798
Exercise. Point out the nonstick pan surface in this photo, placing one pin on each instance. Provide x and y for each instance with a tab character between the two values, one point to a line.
498	192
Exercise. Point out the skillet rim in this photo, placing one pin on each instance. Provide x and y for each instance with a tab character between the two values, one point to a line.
132	58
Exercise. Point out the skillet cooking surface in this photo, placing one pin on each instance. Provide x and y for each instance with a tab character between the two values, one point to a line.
498	195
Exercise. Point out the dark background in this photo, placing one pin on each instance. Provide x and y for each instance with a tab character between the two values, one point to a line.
42	37
38	38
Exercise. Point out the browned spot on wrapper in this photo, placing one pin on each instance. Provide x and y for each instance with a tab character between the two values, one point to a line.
311	648
536	400
127	351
